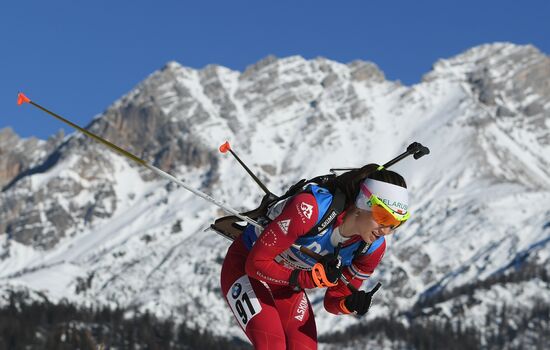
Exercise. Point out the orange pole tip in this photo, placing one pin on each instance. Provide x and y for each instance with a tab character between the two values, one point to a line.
21	98
225	147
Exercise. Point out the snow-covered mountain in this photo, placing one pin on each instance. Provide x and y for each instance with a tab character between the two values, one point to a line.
83	223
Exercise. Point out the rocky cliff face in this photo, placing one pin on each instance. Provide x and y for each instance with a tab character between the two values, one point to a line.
113	233
19	155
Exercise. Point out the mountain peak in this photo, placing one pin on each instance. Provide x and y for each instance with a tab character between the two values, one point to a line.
363	71
7	132
172	65
496	51
256	67
494	56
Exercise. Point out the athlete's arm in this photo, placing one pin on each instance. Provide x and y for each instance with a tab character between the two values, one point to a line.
297	218
360	269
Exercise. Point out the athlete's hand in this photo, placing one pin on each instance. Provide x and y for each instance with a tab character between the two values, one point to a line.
328	269
359	302
325	273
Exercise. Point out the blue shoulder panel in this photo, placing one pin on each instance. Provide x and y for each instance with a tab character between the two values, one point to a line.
375	245
323	198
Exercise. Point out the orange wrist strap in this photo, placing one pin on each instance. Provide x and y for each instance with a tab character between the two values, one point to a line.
343	306
320	277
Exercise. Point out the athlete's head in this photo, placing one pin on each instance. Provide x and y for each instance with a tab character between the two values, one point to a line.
377	202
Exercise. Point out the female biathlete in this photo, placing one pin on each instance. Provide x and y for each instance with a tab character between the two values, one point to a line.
264	274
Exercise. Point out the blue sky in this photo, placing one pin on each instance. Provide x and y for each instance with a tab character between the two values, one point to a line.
77	57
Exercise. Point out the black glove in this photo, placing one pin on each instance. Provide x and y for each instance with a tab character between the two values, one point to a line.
359	302
328	269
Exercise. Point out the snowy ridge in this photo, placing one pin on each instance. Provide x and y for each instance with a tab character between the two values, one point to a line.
479	200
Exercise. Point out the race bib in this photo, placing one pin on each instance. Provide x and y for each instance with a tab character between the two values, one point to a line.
243	301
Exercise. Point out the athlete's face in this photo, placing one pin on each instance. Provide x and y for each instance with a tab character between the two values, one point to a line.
360	222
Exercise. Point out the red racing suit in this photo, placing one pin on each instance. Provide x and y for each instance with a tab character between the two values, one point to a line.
272	313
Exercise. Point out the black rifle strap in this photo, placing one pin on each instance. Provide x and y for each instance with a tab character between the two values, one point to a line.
362	247
336	207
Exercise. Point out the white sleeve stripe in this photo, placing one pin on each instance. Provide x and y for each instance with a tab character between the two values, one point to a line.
355	272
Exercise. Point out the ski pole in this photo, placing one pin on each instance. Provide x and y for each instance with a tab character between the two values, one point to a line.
21	98
227	147
415	149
